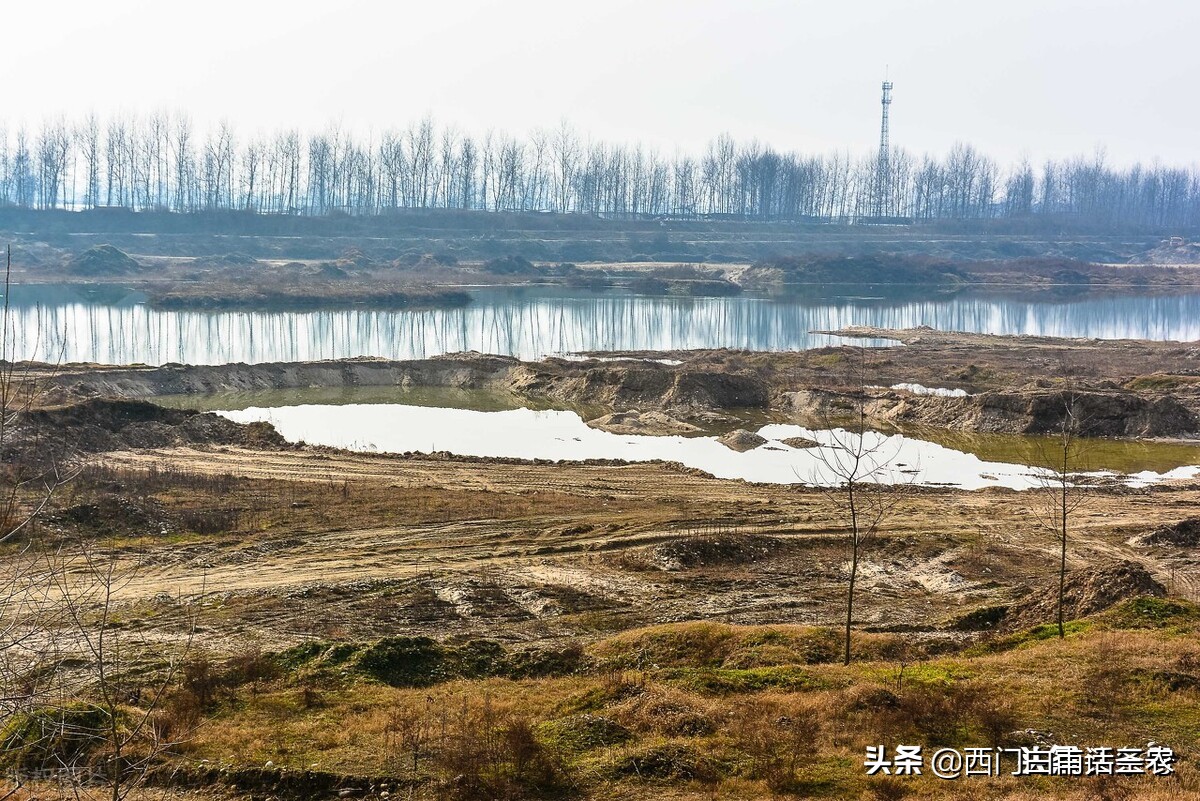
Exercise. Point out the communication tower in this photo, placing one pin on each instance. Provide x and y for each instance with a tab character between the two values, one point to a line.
883	170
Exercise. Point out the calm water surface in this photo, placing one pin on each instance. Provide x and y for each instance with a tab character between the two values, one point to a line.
114	327
562	435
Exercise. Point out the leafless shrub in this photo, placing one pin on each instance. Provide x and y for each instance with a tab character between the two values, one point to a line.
777	740
486	753
855	467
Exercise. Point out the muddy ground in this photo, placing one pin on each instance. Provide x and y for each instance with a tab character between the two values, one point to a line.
339	545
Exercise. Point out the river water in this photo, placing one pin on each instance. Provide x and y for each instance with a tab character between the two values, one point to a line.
116	327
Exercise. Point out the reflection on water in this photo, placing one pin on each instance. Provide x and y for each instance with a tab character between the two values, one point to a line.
1119	455
562	435
53	323
476	399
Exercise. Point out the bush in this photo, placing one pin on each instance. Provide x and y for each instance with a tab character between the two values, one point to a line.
1154	613
406	662
664	711
53	737
947	715
778	743
662	762
486	754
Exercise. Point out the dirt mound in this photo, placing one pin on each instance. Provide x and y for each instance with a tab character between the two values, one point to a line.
103	260
96	426
1171	251
1109	414
354	257
113	513
1184	534
640	385
711	551
332	271
875	268
1087	592
238	259
742	440
800	442
645	423
717	390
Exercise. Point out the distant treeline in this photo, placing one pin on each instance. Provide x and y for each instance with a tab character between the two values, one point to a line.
161	162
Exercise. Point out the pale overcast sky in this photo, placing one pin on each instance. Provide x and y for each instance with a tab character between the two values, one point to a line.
1019	77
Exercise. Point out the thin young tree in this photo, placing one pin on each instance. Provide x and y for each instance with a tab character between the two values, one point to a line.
1062	484
855	471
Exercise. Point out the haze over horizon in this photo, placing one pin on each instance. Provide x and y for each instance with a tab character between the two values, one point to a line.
1025	79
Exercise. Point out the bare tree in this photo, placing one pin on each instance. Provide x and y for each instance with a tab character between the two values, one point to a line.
1063	486
29	476
29	469
87	696
125	737
855	472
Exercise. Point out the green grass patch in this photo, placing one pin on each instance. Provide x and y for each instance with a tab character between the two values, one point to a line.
52	737
582	732
600	697
1148	612
1029	637
424	662
716	645
929	674
727	681
1162	381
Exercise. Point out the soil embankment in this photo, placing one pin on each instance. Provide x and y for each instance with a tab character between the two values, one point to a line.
1102	413
1001	384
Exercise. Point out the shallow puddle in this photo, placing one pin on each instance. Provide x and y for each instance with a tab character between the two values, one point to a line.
563	436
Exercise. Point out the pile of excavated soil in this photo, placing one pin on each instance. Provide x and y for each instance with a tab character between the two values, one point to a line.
1167	253
712	551
1184	534
635	385
645	423
742	440
1087	592
332	271
103	260
97	426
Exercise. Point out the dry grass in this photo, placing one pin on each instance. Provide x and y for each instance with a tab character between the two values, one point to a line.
192	503
647	727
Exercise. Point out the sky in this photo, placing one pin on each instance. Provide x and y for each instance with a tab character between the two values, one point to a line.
1018	79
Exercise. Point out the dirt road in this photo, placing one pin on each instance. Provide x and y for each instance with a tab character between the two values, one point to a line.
603	547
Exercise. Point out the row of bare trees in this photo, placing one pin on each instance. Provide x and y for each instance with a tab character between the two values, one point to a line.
164	162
